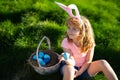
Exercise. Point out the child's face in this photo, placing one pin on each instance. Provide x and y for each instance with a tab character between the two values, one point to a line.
73	32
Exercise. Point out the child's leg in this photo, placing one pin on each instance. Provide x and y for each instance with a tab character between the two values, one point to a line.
68	72
102	65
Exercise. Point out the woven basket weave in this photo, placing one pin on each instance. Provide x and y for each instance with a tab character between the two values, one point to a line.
52	66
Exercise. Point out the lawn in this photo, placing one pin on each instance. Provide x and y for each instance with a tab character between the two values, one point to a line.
24	22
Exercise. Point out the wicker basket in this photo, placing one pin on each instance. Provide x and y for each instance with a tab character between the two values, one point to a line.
52	66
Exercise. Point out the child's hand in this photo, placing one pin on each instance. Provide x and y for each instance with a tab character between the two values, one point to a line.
76	73
70	61
61	57
64	56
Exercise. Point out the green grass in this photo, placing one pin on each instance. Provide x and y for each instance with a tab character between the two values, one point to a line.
24	22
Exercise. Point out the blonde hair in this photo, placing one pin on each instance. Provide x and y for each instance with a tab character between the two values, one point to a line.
86	39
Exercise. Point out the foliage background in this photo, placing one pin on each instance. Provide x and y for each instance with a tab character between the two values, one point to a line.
24	22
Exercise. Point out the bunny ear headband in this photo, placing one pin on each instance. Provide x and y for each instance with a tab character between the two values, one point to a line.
68	9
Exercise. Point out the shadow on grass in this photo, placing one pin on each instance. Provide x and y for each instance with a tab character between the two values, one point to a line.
14	65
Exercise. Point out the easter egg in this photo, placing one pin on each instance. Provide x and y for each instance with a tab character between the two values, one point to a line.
42	63
41	54
66	55
47	58
34	57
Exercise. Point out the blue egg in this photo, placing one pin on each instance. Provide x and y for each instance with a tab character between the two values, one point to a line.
34	57
42	63
47	58
66	55
41	54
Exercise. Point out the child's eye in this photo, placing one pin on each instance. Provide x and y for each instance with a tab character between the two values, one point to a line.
76	29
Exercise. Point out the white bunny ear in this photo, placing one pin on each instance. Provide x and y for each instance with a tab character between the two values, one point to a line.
66	8
73	6
69	8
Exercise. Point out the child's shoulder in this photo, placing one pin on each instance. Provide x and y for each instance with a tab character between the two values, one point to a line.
65	39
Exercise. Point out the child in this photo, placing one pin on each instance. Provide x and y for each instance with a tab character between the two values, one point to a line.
79	43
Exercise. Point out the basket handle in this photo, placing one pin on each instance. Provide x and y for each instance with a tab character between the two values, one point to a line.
49	47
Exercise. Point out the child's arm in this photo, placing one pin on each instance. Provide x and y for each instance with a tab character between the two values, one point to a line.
88	60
